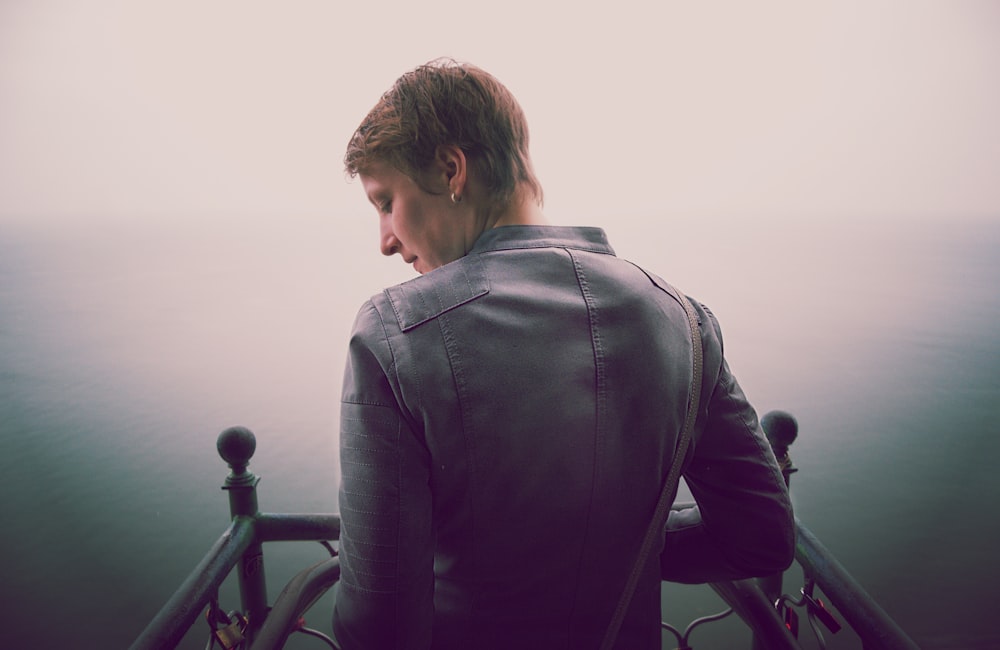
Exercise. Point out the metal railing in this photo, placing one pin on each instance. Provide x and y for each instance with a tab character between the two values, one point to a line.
241	544
771	615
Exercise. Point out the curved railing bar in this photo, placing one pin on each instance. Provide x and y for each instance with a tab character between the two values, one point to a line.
298	596
682	638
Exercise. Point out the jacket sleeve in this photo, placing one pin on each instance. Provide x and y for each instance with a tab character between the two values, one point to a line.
385	594
742	525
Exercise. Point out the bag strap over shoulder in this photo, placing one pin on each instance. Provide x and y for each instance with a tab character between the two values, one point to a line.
670	485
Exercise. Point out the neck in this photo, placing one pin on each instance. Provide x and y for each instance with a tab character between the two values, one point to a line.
522	211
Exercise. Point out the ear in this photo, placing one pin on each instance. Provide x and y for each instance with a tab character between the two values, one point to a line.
451	168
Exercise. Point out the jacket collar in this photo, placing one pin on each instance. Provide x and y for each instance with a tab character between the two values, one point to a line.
515	237
426	297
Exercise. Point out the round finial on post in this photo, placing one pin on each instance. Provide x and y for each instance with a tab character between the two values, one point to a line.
236	446
781	429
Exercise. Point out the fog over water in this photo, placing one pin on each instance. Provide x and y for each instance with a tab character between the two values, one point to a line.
180	252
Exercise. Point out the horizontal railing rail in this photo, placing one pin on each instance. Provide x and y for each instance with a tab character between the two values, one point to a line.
758	602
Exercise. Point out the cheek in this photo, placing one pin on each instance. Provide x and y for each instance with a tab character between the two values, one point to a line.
415	226
403	228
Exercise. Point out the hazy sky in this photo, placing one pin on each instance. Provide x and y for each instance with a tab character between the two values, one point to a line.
183	109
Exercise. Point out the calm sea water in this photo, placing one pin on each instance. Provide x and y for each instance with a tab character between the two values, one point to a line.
125	349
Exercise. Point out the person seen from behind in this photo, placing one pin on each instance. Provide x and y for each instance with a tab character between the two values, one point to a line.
508	417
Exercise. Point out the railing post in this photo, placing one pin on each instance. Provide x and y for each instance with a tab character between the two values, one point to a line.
781	429
236	446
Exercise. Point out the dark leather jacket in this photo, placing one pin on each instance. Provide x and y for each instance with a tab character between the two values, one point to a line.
506	423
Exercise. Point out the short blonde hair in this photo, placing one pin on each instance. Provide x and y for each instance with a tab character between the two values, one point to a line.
448	103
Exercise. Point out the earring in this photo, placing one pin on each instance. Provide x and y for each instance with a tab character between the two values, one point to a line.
455	198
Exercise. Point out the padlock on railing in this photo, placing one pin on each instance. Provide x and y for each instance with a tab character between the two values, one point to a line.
232	635
229	631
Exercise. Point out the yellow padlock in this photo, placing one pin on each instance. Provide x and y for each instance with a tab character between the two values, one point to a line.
231	636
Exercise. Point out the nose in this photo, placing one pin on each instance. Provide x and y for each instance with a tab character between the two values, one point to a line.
389	244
